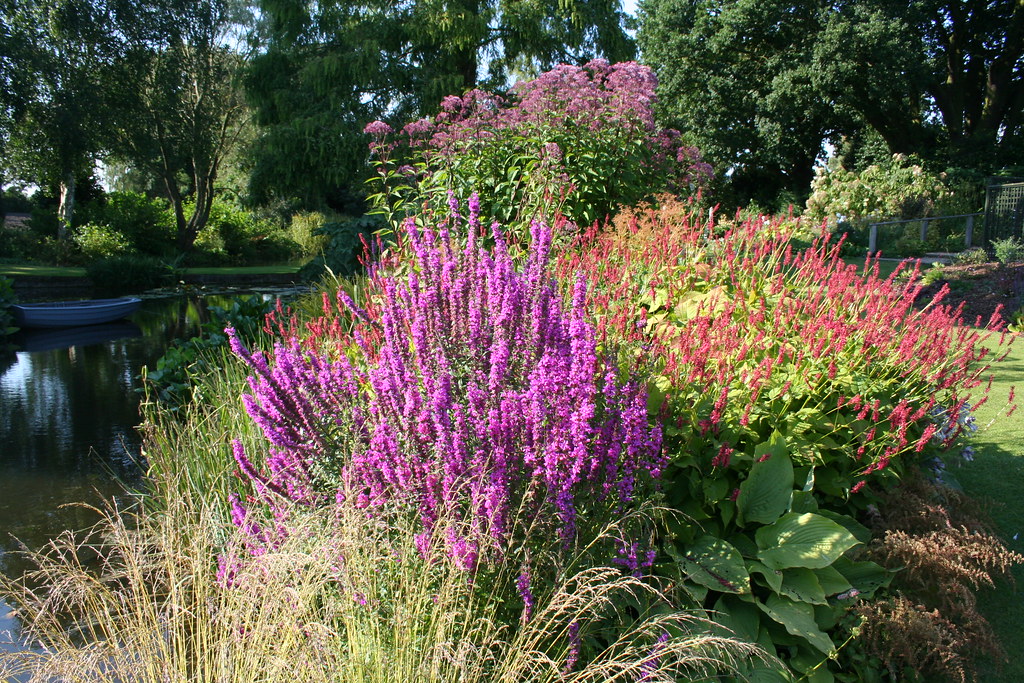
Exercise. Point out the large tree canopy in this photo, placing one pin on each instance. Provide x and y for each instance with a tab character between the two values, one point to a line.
180	105
53	54
760	84
329	68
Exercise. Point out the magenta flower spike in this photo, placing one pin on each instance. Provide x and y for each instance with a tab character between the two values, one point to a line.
484	407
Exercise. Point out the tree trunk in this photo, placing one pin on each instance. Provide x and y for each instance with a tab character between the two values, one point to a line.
66	208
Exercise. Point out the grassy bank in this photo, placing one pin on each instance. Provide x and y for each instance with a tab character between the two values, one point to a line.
32	270
995	476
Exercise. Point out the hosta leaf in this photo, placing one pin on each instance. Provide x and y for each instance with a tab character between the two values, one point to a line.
859	531
866	577
715	489
802	585
742	619
766	492
714	563
831	581
798	620
803	501
802	540
773	577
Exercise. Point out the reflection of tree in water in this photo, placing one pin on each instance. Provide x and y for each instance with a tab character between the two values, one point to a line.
67	425
66	404
75	409
7	359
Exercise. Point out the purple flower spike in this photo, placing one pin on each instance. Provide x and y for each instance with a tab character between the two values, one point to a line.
483	400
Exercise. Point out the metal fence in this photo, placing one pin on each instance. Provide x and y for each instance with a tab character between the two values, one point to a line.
935	233
1004	210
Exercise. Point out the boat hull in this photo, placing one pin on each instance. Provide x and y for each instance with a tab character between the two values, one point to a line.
73	313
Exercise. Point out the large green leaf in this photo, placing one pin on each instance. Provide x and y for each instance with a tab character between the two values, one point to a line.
866	577
798	620
832	582
714	563
859	531
768	489
741	619
802	540
800	584
773	577
766	674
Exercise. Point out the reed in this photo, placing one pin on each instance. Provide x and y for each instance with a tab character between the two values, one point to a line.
340	599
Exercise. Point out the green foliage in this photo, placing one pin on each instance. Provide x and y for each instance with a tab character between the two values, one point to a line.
1016	321
173	380
15	201
58	100
100	241
933	274
129	274
735	80
759	85
1008	250
237	236
344	241
180	110
973	256
18	244
144	222
331	68
305	230
898	189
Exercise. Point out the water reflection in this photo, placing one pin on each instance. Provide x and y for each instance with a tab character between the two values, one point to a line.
68	412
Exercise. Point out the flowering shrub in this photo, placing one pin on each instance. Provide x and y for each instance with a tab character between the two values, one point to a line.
575	140
793	388
473	399
899	189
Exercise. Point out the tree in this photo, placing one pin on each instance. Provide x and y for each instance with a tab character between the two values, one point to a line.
330	68
55	54
180	105
759	85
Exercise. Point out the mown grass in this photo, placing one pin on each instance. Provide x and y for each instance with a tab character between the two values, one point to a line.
34	270
995	476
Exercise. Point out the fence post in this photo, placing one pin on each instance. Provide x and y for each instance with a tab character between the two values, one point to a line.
924	229
969	232
872	238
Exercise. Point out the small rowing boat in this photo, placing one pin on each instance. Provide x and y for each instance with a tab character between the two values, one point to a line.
74	313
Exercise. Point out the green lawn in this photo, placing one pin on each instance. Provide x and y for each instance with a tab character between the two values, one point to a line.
997	475
245	270
885	268
14	270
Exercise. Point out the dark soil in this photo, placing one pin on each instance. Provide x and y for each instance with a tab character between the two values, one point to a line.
981	288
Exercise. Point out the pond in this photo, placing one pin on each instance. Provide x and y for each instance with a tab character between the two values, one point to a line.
68	413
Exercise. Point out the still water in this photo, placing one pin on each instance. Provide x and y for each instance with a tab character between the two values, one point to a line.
68	412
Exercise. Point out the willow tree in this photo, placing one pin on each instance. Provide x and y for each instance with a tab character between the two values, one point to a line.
329	68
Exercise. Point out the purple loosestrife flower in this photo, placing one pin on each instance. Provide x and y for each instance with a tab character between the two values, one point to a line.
484	403
651	665
523	585
573	655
